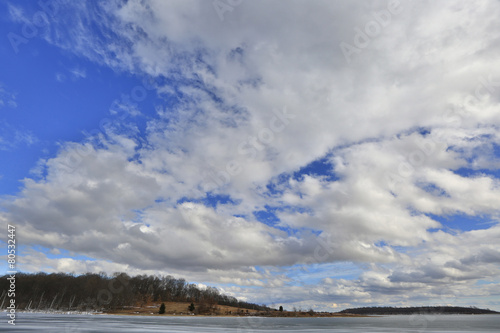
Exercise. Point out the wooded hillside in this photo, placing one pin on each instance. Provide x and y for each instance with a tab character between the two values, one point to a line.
89	292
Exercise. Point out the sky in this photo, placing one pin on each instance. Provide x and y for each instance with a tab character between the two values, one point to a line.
311	154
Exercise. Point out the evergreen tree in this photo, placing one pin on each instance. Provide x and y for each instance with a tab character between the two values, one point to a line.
191	307
281	308
162	308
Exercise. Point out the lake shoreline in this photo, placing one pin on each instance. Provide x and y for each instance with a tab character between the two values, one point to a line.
52	322
118	313
286	314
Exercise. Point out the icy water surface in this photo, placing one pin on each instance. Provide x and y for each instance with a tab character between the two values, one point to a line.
35	322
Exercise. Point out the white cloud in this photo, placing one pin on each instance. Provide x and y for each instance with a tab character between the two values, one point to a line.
7	98
12	137
60	77
78	73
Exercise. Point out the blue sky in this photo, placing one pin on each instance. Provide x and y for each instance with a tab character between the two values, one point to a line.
304	158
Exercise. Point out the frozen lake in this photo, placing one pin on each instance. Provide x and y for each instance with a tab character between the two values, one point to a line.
36	322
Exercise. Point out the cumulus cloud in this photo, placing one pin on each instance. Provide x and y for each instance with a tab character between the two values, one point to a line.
265	92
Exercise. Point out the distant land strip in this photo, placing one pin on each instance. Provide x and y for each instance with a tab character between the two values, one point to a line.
418	310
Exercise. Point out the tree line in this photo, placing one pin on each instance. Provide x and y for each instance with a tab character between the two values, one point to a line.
100	292
417	310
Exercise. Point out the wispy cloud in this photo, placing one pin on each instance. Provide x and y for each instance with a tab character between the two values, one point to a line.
74	74
7	99
60	77
12	138
78	73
